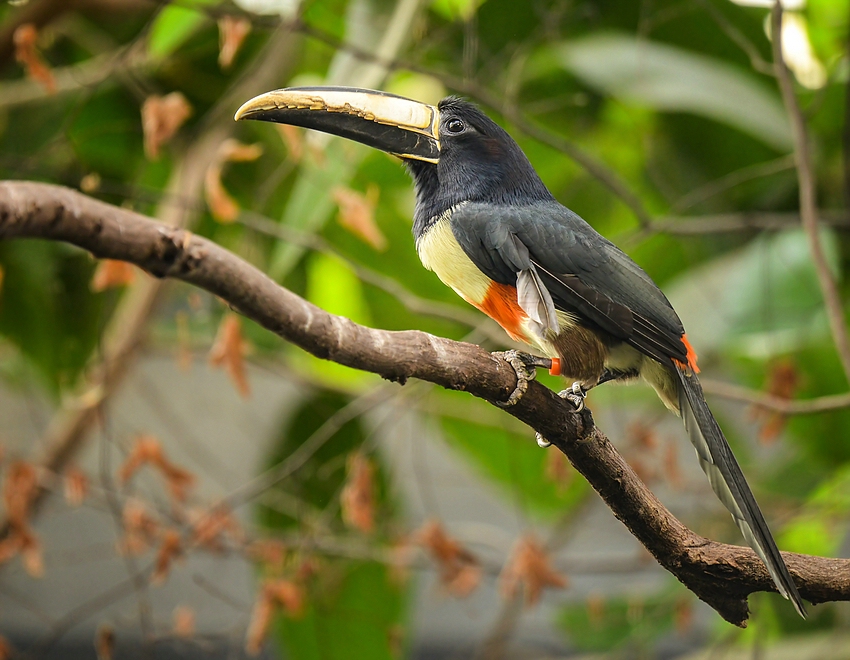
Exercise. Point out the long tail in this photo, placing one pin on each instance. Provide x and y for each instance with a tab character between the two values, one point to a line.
728	482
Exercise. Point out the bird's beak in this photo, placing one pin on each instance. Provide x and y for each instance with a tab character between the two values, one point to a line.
405	128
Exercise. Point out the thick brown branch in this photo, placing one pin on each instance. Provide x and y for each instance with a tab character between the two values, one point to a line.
722	575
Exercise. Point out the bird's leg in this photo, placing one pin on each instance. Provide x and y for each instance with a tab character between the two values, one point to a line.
575	394
609	375
525	365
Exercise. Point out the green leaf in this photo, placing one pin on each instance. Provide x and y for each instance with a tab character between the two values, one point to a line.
610	624
768	293
672	79
174	25
454	10
46	307
355	612
334	287
517	464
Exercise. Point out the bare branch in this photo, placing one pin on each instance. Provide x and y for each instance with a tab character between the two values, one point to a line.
775	403
808	200
721	575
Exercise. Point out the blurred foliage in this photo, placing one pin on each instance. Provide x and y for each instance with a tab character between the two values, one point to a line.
670	96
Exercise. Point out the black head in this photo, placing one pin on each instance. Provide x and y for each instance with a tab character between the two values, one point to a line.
478	162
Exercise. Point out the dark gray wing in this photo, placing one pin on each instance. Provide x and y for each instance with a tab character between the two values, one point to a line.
585	274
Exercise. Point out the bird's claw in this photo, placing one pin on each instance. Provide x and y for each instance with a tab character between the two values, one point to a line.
525	366
576	395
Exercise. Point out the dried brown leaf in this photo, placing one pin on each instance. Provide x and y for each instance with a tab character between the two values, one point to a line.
104	642
357	214
672	470
19	490
221	204
358	495
258	627
26	53
271	553
229	350
6	650
596	609
162	117
184	621
529	565
209	527
76	486
111	274
460	572
170	550
232	31
683	616
140	528
783	381
293	138
288	595
558	470
32	555
147	450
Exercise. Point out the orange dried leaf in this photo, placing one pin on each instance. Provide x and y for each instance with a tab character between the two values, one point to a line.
671	466
358	496
596	609
140	528
232	31
269	552
6	650
460	572
162	117
104	642
170	550
31	555
19	490
258	627
683	616
111	274
221	204
293	138
558	470
642	435
288	595
26	53
229	350
783	380
146	449
357	214
211	525
76	486
529	566
184	621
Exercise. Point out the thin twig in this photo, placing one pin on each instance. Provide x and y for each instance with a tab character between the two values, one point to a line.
808	200
775	403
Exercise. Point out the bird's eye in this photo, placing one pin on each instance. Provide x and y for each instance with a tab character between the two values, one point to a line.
455	126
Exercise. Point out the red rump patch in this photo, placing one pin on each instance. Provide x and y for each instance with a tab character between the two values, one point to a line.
500	304
692	356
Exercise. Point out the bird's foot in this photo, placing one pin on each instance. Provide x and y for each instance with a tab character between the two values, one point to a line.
525	366
575	394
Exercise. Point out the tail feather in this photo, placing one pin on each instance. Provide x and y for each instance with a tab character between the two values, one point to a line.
728	482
